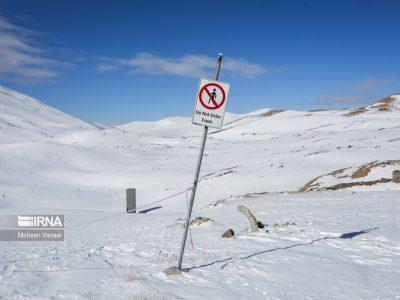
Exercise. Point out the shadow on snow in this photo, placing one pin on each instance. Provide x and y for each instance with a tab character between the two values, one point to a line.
228	260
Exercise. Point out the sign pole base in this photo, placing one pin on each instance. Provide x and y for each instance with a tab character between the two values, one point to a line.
194	188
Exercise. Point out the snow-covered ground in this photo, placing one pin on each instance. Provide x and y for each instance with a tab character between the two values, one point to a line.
343	243
338	245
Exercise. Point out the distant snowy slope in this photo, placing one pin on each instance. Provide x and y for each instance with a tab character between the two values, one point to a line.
23	115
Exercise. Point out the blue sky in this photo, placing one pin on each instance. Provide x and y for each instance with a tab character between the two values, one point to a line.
119	61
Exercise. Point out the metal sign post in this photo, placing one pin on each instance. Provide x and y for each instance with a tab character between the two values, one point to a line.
196	177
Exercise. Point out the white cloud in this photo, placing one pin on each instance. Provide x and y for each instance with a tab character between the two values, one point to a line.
106	68
186	66
22	60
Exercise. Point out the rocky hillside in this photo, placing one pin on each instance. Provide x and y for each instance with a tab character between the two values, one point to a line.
388	104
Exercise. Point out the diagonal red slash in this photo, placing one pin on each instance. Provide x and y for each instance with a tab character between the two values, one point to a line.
211	97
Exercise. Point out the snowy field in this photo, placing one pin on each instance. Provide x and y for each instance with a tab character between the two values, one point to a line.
320	181
329	245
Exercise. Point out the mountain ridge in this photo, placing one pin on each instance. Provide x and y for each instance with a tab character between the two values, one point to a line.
72	164
10	98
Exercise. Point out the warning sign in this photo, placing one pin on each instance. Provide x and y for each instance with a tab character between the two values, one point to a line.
210	103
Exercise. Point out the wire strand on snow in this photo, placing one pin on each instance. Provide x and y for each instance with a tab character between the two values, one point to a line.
98	220
135	209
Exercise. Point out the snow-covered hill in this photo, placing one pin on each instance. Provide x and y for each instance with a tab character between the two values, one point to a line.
60	161
267	159
388	104
22	117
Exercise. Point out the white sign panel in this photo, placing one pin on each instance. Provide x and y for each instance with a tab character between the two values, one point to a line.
210	103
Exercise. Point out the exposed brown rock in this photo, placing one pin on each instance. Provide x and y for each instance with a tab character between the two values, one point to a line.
200	220
393	140
271	112
313	184
174	271
384	104
285	224
228	234
346	185
216	203
319	110
396	176
385	101
365	169
355	112
254	195
362	171
337	172
260	225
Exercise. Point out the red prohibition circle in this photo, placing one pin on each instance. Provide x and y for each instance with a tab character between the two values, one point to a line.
205	89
